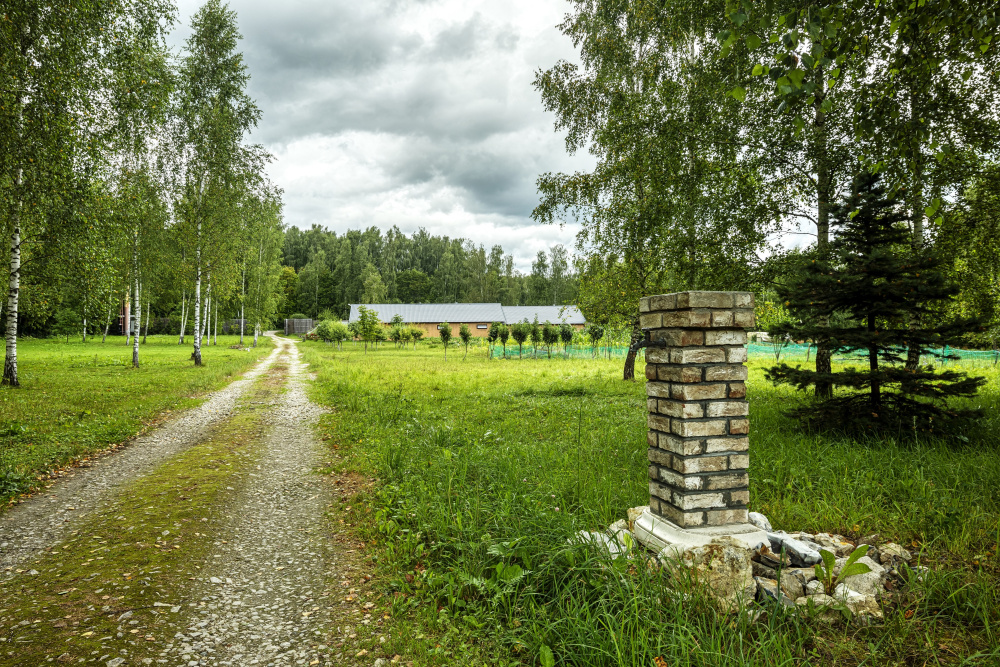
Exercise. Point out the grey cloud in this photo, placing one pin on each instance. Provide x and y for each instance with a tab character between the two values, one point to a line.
455	101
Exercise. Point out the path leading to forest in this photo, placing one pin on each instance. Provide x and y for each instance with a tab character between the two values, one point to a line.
263	592
265	583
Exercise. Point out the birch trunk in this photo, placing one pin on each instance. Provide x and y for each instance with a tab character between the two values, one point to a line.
180	340
128	318
215	332
208	306
197	302
256	329
137	314
85	330
145	331
242	321
10	359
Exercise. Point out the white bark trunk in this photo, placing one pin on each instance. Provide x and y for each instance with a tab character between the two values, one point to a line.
180	340
242	321
128	316
145	331
85	330
197	303
10	359
208	305
137	314
215	333
256	329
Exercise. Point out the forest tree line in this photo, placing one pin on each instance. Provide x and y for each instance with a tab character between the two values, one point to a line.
325	272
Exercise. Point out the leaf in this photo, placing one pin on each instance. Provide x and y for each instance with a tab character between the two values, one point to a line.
852	570
739	93
758	70
753	41
858	553
545	656
796	76
828	559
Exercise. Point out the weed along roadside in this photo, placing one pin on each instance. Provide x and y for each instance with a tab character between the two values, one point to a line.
487	470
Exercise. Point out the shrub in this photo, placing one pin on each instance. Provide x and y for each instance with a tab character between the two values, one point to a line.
444	331
466	335
566	332
520	332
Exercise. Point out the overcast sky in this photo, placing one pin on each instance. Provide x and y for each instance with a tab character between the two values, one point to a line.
415	113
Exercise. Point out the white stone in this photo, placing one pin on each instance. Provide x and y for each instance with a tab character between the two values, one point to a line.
834	544
656	534
759	520
799	551
723	566
620	524
634	513
870	583
892	554
611	545
858	603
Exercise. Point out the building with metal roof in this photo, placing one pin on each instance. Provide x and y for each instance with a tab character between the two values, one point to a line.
478	316
554	314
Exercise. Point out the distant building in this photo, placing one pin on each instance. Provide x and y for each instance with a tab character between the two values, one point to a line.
478	316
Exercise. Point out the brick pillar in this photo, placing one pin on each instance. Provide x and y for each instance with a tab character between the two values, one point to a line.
696	393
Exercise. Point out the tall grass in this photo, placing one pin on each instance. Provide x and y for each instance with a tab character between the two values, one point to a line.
487	469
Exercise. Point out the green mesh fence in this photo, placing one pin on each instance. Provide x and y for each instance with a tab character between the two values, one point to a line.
795	352
790	353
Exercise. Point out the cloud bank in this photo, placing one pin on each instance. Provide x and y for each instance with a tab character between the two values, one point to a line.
408	112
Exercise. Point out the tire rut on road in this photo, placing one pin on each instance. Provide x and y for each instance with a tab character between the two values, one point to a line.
262	595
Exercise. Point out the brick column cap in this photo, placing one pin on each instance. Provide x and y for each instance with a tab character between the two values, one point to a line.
695	299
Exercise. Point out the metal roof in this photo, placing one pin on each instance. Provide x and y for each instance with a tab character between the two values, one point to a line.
435	313
554	314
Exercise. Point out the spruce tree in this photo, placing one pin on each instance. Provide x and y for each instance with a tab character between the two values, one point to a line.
869	287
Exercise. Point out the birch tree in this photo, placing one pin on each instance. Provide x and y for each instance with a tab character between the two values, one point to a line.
55	104
213	113
263	254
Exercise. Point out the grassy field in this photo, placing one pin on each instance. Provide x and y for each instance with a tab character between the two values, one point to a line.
487	467
76	399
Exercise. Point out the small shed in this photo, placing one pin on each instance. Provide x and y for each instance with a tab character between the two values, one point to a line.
298	326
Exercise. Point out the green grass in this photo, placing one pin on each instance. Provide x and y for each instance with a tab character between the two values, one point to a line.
487	467
76	399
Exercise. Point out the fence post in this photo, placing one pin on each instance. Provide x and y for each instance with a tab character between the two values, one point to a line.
699	444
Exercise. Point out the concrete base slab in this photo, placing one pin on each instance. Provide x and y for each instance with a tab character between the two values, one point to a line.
656	533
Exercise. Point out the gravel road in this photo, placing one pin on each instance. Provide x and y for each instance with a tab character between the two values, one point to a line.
264	590
48	517
269	592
